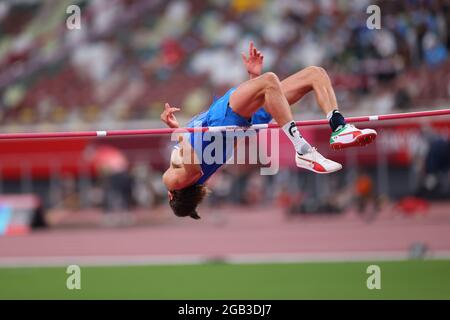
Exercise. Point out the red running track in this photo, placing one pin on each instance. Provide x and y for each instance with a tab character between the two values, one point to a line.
244	236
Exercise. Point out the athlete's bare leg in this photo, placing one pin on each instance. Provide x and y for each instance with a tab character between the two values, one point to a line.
266	90
311	78
316	79
263	90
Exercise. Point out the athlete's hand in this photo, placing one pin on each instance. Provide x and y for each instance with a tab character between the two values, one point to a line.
254	62
168	116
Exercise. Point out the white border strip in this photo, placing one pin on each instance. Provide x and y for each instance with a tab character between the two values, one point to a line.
199	259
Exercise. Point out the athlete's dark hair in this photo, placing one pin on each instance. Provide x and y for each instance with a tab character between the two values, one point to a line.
184	201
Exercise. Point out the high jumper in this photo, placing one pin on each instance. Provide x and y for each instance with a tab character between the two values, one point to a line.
256	101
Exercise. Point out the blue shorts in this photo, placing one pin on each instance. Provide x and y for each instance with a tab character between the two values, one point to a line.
219	114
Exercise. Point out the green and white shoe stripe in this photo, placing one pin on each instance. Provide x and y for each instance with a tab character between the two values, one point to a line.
337	132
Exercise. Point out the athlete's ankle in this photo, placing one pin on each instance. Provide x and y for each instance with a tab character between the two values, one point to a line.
336	120
304	148
300	144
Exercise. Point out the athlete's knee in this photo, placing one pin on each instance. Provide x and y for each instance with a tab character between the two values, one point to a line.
317	73
271	80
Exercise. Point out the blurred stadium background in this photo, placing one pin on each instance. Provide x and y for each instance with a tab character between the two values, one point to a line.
102	202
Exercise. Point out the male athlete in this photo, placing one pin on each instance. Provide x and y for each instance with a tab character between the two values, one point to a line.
259	100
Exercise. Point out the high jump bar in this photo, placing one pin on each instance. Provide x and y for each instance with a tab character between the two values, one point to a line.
115	133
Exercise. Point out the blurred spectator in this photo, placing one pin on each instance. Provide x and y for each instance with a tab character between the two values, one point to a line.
435	178
112	167
365	196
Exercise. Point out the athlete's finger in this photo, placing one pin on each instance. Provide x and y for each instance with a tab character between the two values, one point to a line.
174	109
244	58
167	106
250	49
255	51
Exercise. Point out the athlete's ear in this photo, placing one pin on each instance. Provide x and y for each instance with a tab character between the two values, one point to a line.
170	195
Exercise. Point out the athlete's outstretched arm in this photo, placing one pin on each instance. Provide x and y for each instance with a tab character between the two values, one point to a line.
254	62
183	169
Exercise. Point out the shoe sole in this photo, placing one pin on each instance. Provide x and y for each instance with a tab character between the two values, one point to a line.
319	172
360	141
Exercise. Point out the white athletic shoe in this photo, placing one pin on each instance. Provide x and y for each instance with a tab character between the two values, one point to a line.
350	136
316	162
